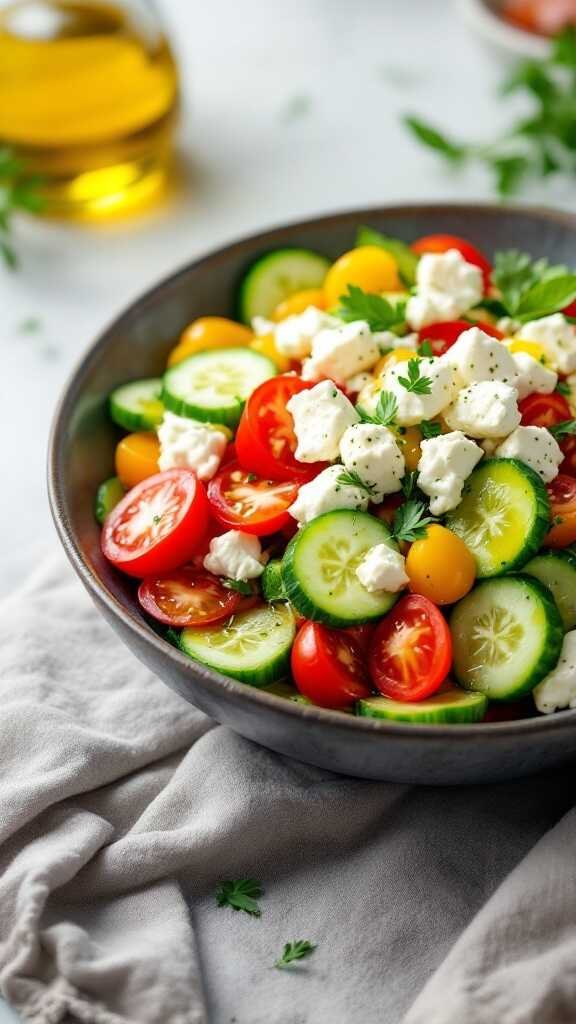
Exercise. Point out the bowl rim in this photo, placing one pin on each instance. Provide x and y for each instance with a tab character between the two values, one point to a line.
138	628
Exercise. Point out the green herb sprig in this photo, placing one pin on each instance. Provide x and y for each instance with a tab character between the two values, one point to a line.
378	312
293	951
18	191
240	894
429	428
242	586
564	429
415	382
350	478
410	521
529	288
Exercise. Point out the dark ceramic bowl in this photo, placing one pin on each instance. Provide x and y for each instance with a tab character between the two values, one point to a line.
81	455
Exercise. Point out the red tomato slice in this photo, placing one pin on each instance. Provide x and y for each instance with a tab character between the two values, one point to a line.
361	635
562	494
544	410
188	597
158	525
242	500
327	667
411	651
443	335
442	243
568	446
265	440
570	310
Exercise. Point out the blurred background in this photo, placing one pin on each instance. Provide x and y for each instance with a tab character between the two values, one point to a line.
285	110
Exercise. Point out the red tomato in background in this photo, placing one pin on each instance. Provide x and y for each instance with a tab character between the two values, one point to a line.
411	651
327	667
562	495
442	243
544	410
241	500
265	440
188	597
158	525
443	335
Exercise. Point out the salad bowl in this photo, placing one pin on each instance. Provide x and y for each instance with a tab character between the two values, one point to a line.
81	455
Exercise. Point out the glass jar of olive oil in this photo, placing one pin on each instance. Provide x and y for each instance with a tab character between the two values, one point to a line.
88	94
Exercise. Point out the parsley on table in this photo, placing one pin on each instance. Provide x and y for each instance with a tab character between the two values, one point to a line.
18	191
242	586
414	382
406	260
350	478
563	429
430	428
530	289
295	951
240	895
411	520
378	312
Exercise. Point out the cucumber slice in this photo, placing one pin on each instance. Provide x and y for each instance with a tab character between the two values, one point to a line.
253	647
506	636
271	581
319	568
503	517
557	571
137	406
108	495
214	385
451	705
276	276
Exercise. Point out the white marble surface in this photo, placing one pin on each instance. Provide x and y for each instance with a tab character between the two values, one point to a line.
350	69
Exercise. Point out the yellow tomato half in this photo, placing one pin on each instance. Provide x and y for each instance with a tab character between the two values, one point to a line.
266	345
409	439
397	355
368	267
137	458
531	347
440	566
209	332
299	302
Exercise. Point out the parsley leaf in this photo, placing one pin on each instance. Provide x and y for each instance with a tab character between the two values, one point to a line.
563	388
411	520
563	429
406	260
409	484
242	586
295	951
531	288
425	349
240	895
350	478
379	314
386	409
431	137
547	297
430	428
415	383
18	191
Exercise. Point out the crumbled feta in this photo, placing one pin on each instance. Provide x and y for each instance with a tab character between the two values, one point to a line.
414	407
387	341
340	352
445	464
477	356
357	382
489	445
557	337
189	444
293	336
536	447
507	326
383	568
262	326
486	409
324	494
321	415
558	689
236	555
372	452
532	376
447	286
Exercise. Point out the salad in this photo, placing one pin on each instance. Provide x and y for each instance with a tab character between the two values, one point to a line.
361	493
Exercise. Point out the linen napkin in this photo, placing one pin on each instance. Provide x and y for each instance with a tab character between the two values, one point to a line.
122	808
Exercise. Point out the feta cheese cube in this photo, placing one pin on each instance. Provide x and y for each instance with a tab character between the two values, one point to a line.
189	444
383	568
414	407
293	336
535	447
532	377
372	452
557	337
355	384
477	356
340	352
324	494
486	409
321	415
236	555
558	689
387	341
447	286
445	464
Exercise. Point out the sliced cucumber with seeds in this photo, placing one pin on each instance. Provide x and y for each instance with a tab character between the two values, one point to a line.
214	385
253	647
271	581
276	276
503	517
107	497
451	705
138	406
319	568
557	571
506	635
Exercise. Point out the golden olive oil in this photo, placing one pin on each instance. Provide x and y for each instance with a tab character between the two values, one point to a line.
88	93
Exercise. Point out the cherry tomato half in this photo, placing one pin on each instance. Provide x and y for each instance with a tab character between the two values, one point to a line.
265	440
188	597
241	500
442	243
411	650
570	310
158	525
361	635
443	335
327	667
544	410
562	494
568	447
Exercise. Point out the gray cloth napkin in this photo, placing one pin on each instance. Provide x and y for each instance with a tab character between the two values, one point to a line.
122	807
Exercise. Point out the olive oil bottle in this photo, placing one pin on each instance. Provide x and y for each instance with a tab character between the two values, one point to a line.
88	95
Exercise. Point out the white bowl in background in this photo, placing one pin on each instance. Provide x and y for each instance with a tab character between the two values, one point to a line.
483	17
